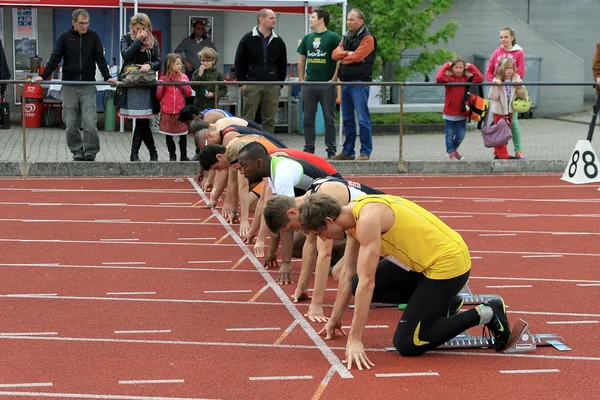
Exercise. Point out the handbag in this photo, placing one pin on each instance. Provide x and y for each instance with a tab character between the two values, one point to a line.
496	134
521	105
132	74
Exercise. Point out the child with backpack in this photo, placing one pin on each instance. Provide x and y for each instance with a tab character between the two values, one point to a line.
502	97
172	100
454	113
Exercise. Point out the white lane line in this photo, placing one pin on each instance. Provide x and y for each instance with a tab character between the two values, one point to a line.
279	378
94	396
124	263
148	381
120	240
503	278
145	206
571	322
369	326
202	238
498	199
127	241
406	374
31	265
329	355
32	294
111	204
486	200
508	286
35	384
111	220
144	331
137	268
531	232
528	371
174	204
128	191
184	219
476	258
554	313
210	262
588	284
534	253
494	354
127	293
228	291
251	329
28	333
497	234
544	256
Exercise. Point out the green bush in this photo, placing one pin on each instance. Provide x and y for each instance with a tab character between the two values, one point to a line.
409	118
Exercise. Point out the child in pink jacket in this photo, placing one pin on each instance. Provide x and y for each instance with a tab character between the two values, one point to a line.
172	100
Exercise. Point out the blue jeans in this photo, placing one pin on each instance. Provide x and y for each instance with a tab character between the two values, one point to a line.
455	133
354	98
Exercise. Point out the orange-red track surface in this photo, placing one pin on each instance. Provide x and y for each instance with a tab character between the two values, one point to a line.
119	289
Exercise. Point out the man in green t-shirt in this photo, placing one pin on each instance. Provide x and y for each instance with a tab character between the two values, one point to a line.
315	55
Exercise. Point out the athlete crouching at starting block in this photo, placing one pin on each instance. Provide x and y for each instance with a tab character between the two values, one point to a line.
425	264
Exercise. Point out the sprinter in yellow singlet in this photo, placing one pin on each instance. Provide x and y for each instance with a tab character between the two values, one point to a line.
398	252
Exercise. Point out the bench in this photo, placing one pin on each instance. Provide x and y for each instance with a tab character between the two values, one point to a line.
408	108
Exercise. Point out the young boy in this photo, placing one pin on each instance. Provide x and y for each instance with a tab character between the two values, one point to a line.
205	94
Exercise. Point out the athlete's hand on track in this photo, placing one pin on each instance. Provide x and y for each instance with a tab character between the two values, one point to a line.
330	327
300	295
355	353
315	314
270	260
259	248
244	228
285	274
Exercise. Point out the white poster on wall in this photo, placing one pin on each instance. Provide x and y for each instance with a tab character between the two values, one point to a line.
2	25
25	43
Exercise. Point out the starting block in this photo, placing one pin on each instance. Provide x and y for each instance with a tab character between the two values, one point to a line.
522	341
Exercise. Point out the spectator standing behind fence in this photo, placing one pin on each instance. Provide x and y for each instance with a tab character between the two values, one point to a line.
4	70
81	50
357	52
205	94
501	98
454	113
172	100
139	47
315	51
261	56
509	49
192	45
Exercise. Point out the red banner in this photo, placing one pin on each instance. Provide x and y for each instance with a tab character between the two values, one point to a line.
61	3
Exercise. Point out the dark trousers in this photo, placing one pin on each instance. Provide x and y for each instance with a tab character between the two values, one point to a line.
424	325
311	97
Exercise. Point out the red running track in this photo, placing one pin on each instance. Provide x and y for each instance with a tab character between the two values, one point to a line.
117	288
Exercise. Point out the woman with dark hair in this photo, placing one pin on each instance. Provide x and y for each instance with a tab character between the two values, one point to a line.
139	47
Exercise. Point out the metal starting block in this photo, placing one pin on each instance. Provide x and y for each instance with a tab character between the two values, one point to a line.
522	341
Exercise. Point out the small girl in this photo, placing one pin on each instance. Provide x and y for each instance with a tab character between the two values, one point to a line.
502	96
454	114
205	94
172	100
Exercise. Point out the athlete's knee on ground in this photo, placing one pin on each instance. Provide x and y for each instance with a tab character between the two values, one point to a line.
403	342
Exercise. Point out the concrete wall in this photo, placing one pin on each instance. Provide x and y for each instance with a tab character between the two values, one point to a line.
480	21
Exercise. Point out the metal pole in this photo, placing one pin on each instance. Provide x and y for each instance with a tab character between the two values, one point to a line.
306	28
216	96
528	10
401	122
344	6
23	124
122	18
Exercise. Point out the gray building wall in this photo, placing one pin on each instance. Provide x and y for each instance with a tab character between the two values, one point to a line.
180	25
480	21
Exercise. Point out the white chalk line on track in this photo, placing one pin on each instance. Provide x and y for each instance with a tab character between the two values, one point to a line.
528	371
513	215
18	385
280	378
571	322
18	203
106	221
126	191
312	334
252	329
143	331
150	381
406	374
501	199
94	396
7	240
28	333
478	187
124	263
508	286
579	282
496	231
290	346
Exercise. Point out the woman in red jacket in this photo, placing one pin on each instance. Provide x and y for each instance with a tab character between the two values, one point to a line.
454	115
172	100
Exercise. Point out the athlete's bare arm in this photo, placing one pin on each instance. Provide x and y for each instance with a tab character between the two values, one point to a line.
228	121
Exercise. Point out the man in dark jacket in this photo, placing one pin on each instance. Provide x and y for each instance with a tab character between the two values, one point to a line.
81	50
356	52
261	56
